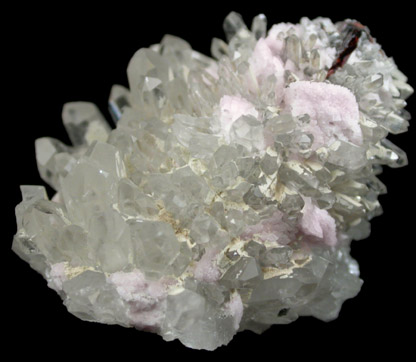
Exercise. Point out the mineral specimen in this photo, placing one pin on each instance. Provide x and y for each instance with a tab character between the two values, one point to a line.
228	194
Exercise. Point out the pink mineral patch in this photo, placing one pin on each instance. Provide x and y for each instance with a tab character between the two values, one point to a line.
232	108
263	63
145	298
206	269
318	223
273	40
333	111
277	45
273	229
57	198
235	308
315	223
56	276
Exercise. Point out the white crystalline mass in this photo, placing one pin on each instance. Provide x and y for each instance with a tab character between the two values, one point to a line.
228	194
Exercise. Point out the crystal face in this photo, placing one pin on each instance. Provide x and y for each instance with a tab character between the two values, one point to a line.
228	194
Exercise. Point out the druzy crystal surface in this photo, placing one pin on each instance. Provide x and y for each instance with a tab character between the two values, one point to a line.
228	194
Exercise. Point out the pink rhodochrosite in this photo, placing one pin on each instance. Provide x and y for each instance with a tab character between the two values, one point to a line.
228	194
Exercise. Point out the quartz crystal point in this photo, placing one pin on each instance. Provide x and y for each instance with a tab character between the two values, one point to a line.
228	194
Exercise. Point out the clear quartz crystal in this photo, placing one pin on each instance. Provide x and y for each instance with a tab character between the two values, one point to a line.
84	123
228	194
259	26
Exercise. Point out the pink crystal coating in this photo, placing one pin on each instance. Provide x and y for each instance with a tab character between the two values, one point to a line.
333	111
318	223
274	229
145	298
206	269
235	308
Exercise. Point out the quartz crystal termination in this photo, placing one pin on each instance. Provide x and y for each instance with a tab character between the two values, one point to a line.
228	194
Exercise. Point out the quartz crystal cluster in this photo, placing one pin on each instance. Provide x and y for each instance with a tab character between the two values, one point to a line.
228	194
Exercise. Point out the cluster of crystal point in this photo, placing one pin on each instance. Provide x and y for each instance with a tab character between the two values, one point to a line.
228	194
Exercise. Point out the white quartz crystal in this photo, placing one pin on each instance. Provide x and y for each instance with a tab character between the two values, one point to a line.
228	194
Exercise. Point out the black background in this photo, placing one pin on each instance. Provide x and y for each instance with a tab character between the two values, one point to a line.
72	52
